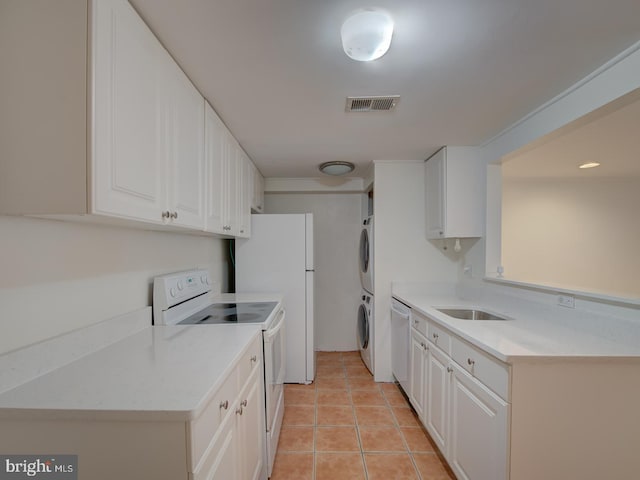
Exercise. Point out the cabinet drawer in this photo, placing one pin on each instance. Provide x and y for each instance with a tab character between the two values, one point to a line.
419	323
250	360
439	337
204	428
490	371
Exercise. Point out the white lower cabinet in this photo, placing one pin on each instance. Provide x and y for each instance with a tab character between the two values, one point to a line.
436	396
479	423
467	420
236	448
237	451
419	359
223	462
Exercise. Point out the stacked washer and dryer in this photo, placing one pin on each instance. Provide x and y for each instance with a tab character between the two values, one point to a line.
365	310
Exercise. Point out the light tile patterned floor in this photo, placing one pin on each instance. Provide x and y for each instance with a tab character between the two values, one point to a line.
345	426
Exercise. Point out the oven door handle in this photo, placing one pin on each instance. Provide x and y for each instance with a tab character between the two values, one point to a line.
272	332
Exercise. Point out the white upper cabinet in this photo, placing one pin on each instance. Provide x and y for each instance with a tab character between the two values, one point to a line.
227	180
215	155
128	168
148	125
183	135
245	190
129	140
454	193
257	197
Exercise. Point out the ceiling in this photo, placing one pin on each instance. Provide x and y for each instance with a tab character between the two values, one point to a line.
275	72
608	136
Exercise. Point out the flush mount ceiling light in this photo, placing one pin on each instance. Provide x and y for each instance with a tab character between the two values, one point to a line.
366	35
336	168
589	165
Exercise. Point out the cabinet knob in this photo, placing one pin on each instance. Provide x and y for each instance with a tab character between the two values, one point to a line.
243	403
423	345
224	404
254	359
166	214
471	361
174	215
239	410
435	336
449	369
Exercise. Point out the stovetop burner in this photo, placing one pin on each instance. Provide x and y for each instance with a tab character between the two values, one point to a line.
218	313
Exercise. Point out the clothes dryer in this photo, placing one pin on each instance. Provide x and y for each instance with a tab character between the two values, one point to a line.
366	254
365	329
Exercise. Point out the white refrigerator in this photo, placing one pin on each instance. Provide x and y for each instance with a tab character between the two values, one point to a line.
278	258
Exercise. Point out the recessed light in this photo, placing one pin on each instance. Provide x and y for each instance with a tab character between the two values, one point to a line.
589	165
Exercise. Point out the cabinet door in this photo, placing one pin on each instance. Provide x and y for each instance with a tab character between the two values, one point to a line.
252	429
257	199
184	146
224	463
215	152
244	195
127	167
231	209
479	430
435	194
437	397
418	354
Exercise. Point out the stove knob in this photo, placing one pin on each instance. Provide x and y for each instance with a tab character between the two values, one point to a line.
180	285
172	292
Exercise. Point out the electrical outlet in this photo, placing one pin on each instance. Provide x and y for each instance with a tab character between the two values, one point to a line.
567	301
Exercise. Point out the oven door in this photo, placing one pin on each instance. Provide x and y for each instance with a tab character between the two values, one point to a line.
274	371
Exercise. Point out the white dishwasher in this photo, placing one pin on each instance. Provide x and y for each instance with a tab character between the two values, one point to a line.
400	342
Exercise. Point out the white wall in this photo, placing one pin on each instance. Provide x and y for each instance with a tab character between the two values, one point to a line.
401	251
58	276
337	220
581	234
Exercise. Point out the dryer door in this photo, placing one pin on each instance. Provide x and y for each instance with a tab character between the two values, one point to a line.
364	251
363	327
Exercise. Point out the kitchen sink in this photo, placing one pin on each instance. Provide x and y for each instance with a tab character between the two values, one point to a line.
470	314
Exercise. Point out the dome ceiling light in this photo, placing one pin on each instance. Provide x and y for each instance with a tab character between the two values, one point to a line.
336	168
366	35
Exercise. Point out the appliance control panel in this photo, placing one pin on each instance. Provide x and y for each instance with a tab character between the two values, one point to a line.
174	288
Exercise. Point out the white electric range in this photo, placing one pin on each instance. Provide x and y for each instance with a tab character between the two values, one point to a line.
185	298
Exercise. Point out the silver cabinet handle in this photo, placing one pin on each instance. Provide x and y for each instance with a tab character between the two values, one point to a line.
471	362
166	214
224	404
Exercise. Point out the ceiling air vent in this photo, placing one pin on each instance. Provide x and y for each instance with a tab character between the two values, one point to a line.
372	104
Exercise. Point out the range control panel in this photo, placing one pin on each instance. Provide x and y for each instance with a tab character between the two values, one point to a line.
174	288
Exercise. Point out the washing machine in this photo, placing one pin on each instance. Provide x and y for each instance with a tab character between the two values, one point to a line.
365	329
366	254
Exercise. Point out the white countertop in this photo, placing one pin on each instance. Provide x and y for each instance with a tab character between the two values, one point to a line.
156	373
163	372
525	336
